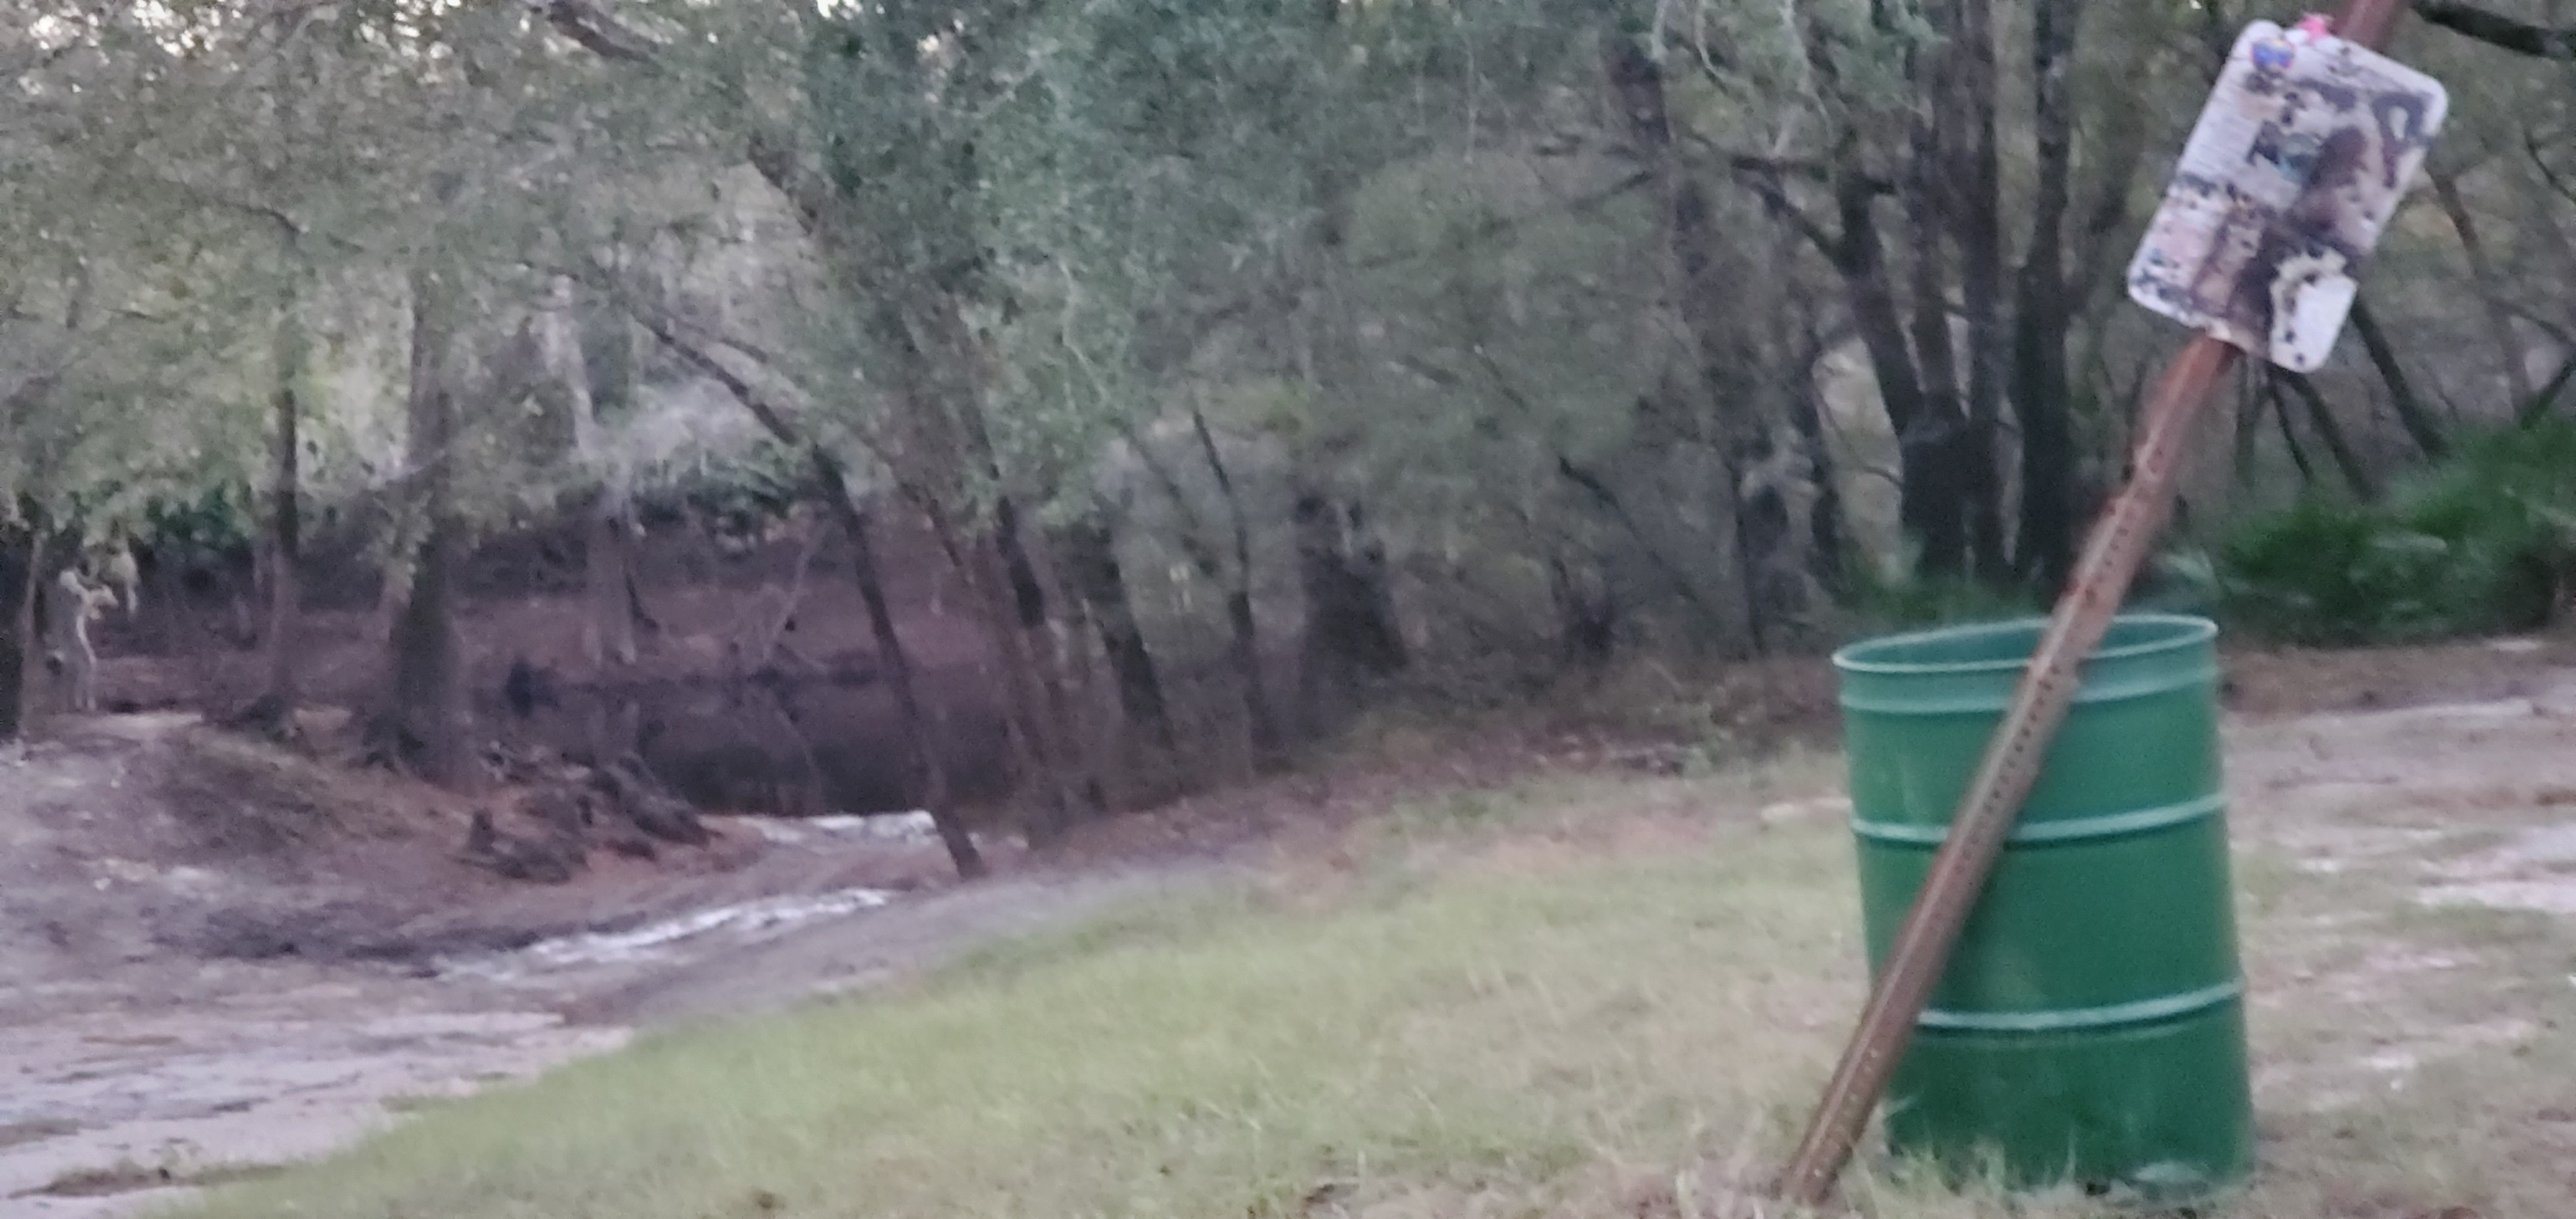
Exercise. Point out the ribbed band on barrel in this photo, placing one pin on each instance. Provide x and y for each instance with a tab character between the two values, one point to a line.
2139	1011
2108	825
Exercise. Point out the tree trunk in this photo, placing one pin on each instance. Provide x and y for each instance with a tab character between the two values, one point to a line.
425	721
428	680
1029	601
1350	638
18	629
1377	580
1703	301
2041	315
286	525
283	547
1243	646
608	582
1587	615
1825	528
1767	542
2411	411
1927	226
598	375
989	588
1091	564
1028	595
933	776
950	411
1979	216
1930	506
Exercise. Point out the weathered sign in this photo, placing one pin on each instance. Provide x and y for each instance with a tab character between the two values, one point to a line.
2306	147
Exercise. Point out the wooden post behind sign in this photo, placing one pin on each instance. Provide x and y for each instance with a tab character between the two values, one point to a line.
2113	550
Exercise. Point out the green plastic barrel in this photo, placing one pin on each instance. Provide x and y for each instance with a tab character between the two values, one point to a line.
2090	1027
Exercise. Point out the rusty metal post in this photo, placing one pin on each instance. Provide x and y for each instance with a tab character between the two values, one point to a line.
2112	553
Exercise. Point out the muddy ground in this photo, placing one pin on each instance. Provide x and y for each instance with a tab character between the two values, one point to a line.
216	957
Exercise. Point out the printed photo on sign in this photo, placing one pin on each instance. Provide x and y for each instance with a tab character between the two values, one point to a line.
2302	154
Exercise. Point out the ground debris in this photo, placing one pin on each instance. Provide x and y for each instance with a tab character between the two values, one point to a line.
129	1178
568	809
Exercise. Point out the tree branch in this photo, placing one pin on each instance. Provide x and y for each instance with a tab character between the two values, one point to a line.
2536	407
1775	199
586	23
2321	419
774	156
779	166
2411	413
772	416
2497	30
2531	147
1607	498
288	228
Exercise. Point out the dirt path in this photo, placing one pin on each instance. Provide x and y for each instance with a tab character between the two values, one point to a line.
2430	901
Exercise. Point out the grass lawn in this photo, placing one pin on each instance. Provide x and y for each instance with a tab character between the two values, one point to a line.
1594	997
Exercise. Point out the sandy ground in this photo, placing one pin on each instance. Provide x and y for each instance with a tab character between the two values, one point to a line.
211	961
199	977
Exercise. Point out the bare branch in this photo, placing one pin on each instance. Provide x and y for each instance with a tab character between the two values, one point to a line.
2536	407
770	152
1775	199
2499	31
1194	544
783	169
773	417
2531	146
586	23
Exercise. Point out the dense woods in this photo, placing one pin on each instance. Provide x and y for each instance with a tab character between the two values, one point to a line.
1183	377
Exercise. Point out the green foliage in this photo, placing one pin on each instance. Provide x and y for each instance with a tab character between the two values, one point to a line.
221	521
2175	582
2476	544
1900	598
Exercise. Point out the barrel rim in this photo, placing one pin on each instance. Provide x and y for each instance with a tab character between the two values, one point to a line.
2192	631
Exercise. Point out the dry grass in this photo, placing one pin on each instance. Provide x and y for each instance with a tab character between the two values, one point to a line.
245	796
1581	997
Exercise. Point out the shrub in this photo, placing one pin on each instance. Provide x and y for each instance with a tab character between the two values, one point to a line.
2478	543
1882	602
1902	599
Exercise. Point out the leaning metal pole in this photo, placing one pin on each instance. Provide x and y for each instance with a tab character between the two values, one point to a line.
2113	551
